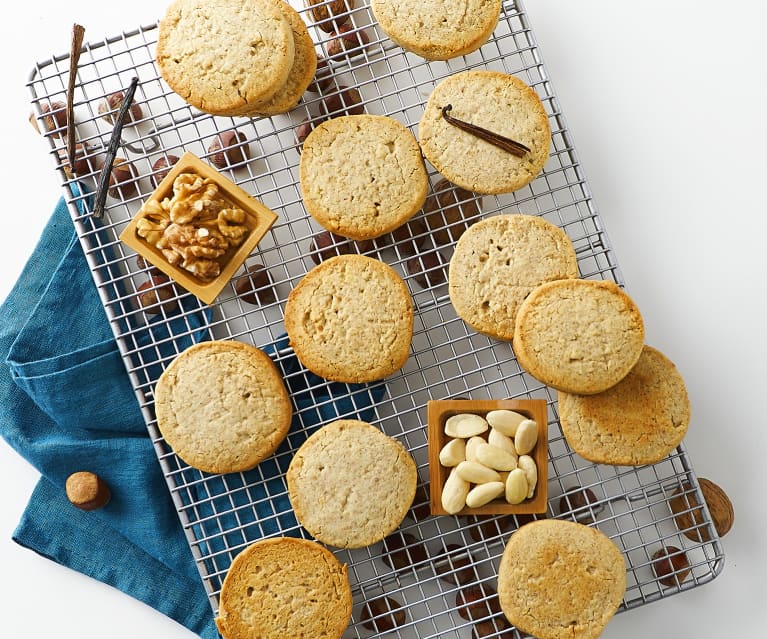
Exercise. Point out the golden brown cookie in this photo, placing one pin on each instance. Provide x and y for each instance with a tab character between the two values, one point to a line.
350	484
285	587
222	406
498	261
224	56
638	421
437	30
578	336
559	579
496	101
362	175
350	319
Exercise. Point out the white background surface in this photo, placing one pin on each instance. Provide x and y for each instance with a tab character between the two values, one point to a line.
665	102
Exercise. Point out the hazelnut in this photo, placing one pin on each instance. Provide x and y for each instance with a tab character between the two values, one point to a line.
410	237
123	179
161	167
255	286
401	550
689	516
428	269
453	565
330	14
670	565
229	148
109	107
84	159
489	527
323	76
87	491
420	509
383	614
346	40
304	129
576	501
55	118
449	211
157	294
477	602
328	244
495	627
346	101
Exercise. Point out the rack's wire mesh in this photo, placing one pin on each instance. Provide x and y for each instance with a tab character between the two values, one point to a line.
224	513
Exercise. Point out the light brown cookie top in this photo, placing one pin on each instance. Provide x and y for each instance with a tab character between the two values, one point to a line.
496	101
350	484
437	30
498	261
301	73
350	319
638	421
362	175
578	336
560	579
285	587
222	406
221	56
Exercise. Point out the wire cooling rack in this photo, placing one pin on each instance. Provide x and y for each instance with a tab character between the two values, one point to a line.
222	514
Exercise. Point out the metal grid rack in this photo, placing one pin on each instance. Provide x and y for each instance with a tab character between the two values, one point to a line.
223	514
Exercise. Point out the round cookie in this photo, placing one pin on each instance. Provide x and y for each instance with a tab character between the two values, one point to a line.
578	336
301	591
496	101
638	421
559	579
362	175
498	261
350	484
301	73
437	30
350	319
222	56
222	406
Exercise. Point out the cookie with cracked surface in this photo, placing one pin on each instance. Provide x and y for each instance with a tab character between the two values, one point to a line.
559	579
222	406
362	176
350	319
437	30
350	484
499	102
285	587
638	421
578	336
498	261
222	56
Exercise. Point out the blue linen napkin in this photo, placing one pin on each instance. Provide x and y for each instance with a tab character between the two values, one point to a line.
68	405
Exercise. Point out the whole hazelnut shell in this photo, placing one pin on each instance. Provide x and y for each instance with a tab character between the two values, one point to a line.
161	167
330	15
323	76
428	269
327	244
578	500
402	550
255	286
383	614
55	118
453	564
87	491
449	211
229	148
409	238
346	101
420	509
110	106
670	565
496	627
346	39
689	516
304	129
123	179
157	294
477	602
85	159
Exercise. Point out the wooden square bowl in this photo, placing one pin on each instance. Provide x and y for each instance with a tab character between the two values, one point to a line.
438	413
258	220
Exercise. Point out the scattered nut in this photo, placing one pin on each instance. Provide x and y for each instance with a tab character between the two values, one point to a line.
85	159
490	527
55	118
87	491
465	425
304	129
576	500
110	106
345	101
162	167
670	565
123	179
157	294
421	508
346	39
429	270
401	550
453	565
330	14
255	286
477	602
689	515
383	614
229	148
496	627
408	238
449	211
327	244
323	77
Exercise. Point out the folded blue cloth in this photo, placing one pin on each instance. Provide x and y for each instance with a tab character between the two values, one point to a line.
68	405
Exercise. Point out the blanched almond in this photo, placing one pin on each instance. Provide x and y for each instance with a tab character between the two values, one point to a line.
453	453
465	425
476	473
527	465
495	457
454	493
516	486
471	447
497	438
483	494
526	436
506	421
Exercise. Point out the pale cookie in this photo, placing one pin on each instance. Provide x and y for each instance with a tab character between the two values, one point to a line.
285	587
638	421
578	336
222	406
362	175
222	56
560	579
498	261
350	484
496	101
437	30
301	73
350	319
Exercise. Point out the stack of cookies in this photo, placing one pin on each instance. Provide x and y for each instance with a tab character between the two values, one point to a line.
236	57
